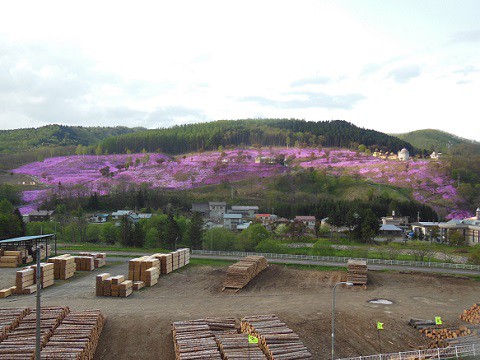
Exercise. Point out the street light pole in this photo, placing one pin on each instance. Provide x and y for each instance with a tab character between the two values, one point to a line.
333	314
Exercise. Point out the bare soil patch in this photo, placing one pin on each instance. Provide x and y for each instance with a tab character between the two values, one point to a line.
140	326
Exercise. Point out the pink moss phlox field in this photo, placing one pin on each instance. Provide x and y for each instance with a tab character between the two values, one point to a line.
81	175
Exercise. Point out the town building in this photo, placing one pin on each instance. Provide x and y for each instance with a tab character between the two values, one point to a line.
308	221
403	155
469	228
231	221
217	209
40	215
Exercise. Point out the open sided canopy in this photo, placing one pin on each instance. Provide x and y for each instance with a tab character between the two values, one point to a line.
25	239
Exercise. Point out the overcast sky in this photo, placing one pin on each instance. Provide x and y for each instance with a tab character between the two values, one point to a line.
392	66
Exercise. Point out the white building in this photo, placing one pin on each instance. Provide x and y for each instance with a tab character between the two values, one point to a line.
403	155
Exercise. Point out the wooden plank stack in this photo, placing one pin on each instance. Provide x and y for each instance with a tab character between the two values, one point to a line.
20	343
236	346
275	338
64	266
166	262
115	286
46	274
24	279
151	276
84	263
76	337
194	340
99	259
4	293
471	315
243	271
10	259
357	272
137	268
10	319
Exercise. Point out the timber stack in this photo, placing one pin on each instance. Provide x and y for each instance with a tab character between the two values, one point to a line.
421	323
64	266
166	262
194	340
143	268
243	271
10	319
20	343
99	259
114	286
471	315
276	339
84	263
46	274
237	346
24	281
4	293
442	337
76	337
357	272
10	259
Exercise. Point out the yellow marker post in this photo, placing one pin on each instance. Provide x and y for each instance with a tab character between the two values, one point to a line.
252	339
379	327
438	320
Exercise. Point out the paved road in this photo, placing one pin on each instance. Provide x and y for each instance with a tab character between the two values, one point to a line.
123	256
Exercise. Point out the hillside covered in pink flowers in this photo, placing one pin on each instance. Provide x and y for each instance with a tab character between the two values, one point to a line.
427	181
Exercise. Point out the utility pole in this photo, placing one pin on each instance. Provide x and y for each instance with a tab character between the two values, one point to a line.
38	312
418	216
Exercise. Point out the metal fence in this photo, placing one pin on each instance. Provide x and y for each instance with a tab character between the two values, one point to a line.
430	264
457	352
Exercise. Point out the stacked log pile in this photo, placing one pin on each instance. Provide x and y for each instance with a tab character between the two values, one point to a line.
194	340
357	272
84	263
77	336
10	259
421	323
243	271
443	337
64	266
20	343
275	338
471	315
99	259
10	319
236	346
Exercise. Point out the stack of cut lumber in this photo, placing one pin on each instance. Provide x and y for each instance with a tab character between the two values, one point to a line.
64	266
4	293
84	263
240	273
275	338
166	262
471	315
10	319
137	268
236	346
184	256
77	336
115	286
151	276
24	281
137	285
175	260
46	274
10	259
99	259
194	340
20	343
357	272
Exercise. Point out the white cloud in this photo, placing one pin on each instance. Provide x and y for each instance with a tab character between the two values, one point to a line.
157	64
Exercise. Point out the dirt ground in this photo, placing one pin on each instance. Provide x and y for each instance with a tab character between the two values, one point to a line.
139	327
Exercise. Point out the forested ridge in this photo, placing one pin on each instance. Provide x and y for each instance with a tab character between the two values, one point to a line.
21	146
253	132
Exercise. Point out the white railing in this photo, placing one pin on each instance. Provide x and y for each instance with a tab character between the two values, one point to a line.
430	264
456	352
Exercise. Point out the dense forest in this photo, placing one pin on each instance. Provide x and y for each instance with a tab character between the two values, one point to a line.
253	132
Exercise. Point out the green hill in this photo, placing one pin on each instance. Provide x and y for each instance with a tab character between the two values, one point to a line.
432	140
254	132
